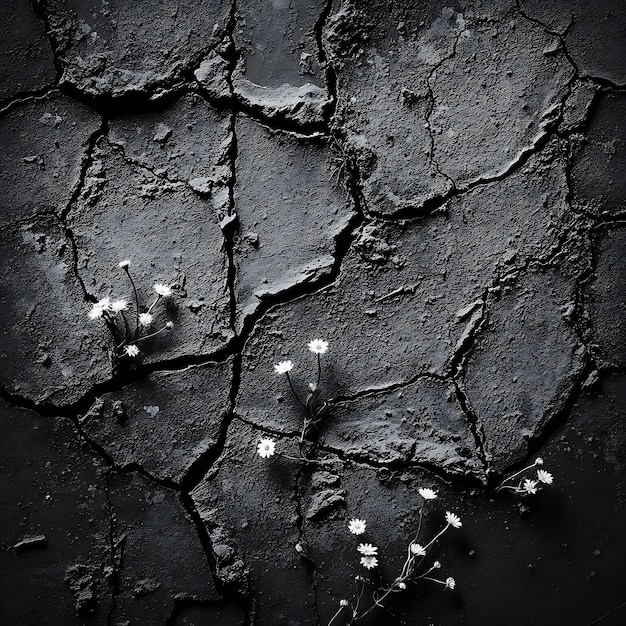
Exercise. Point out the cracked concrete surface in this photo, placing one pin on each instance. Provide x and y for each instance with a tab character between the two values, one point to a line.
436	189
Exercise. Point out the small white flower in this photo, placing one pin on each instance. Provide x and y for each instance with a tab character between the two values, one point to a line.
436	565
530	486
266	448
124	264
369	562
119	305
427	494
356	526
131	350
453	520
318	346
545	477
145	319
450	583
95	312
401	585
99	308
169	325
417	550
283	367
299	548
538	461
367	549
343	602
162	290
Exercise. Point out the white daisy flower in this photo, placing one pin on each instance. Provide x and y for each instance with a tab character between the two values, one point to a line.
169	324
265	448
162	290
401	585
283	367
545	477
356	526
145	319
367	549
450	583
124	264
369	562
530	486
318	346
538	461
131	350
343	602
427	494
119	305
453	520
99	308
436	565
417	550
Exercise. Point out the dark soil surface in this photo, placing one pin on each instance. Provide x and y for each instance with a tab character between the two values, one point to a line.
436	189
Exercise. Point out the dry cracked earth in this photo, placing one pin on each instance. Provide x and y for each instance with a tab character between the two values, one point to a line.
435	188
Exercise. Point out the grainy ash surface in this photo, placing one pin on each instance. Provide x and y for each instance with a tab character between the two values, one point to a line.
435	188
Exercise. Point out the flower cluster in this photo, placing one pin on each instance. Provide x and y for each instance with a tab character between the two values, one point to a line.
315	408
128	330
413	570
528	486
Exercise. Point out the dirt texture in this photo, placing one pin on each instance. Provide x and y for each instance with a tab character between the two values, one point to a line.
194	191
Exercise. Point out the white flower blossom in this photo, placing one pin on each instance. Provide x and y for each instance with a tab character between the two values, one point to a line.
266	448
401	585
299	548
450	583
169	324
417	550
99	308
545	477
427	494
367	549
530	486
318	346
436	565
344	602
538	461
119	305
162	290
369	562
131	350
124	264
453	520
145	319
356	526
283	367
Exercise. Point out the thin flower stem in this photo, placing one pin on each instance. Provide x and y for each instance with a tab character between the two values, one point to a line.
443	530
158	332
319	370
301	459
293	391
355	612
332	619
132	282
512	476
435	580
126	327
152	305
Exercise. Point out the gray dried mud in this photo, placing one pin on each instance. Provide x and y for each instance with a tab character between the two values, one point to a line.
436	189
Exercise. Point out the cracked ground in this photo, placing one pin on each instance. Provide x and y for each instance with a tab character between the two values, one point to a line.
435	188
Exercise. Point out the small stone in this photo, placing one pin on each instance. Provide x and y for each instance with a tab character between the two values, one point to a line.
31	543
162	133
